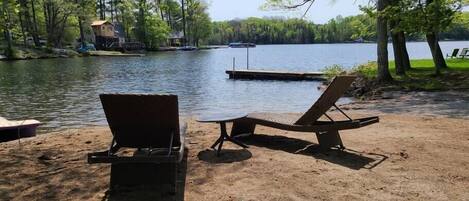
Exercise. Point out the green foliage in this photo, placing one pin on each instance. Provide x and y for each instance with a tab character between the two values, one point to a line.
368	70
346	29
416	17
127	16
334	70
157	31
459	29
262	31
199	23
294	31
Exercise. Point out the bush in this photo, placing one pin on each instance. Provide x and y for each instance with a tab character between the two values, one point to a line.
334	70
367	70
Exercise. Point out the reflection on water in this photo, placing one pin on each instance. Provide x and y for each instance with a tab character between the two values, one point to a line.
63	93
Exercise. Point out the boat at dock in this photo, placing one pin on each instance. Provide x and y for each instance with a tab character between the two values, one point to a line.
241	45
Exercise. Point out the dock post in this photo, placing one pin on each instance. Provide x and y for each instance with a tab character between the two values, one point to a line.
247	57
234	66
234	63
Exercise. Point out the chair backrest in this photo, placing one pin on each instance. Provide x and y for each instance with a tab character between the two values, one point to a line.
142	121
455	52
334	91
464	52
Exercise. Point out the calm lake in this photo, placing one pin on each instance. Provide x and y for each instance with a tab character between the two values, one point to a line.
63	93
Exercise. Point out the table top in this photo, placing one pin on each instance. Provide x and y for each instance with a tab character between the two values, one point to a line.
220	117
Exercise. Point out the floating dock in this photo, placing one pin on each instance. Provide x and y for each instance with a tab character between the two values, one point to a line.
274	75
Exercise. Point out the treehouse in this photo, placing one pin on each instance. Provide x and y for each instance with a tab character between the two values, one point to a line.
107	35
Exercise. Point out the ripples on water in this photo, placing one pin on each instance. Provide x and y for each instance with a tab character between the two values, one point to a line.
63	93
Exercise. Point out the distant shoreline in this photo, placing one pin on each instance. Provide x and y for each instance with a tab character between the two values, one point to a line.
53	53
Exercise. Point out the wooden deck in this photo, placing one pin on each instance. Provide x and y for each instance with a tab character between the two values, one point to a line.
274	75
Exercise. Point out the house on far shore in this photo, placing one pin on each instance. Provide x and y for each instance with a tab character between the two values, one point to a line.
107	35
175	39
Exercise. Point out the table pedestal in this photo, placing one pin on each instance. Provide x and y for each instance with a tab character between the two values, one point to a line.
225	137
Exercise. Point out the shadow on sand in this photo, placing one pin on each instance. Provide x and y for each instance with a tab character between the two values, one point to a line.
347	158
160	193
226	155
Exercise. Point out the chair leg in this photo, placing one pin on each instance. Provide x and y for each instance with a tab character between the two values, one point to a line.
242	126
174	186
330	139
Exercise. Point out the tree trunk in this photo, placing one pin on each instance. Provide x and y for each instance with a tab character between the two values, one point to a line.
398	54
168	16
112	10
405	54
9	50
24	18
183	23
102	9
22	27
158	4
143	34
35	33
82	34
382	43
7	30
80	23
438	59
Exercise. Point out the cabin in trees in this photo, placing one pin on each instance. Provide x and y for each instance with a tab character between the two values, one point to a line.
107	35
176	39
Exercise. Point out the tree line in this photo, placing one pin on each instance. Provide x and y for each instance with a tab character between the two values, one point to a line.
359	28
60	22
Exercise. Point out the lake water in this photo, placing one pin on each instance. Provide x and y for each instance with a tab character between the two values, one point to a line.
63	93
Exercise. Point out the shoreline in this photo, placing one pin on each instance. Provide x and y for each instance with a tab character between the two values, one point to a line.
455	102
166	49
33	53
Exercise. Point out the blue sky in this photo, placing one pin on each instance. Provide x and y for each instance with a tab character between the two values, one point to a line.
320	12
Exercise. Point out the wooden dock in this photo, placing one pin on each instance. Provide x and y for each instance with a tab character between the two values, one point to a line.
101	53
274	75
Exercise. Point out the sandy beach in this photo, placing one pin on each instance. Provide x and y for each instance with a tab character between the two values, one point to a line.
406	156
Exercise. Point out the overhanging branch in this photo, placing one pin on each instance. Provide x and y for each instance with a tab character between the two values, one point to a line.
300	4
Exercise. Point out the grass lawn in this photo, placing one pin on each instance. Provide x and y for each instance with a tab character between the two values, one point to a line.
422	75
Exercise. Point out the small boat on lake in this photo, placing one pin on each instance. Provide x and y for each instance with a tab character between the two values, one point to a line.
12	130
187	48
241	45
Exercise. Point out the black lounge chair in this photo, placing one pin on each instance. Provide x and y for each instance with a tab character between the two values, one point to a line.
453	54
327	132
149	124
